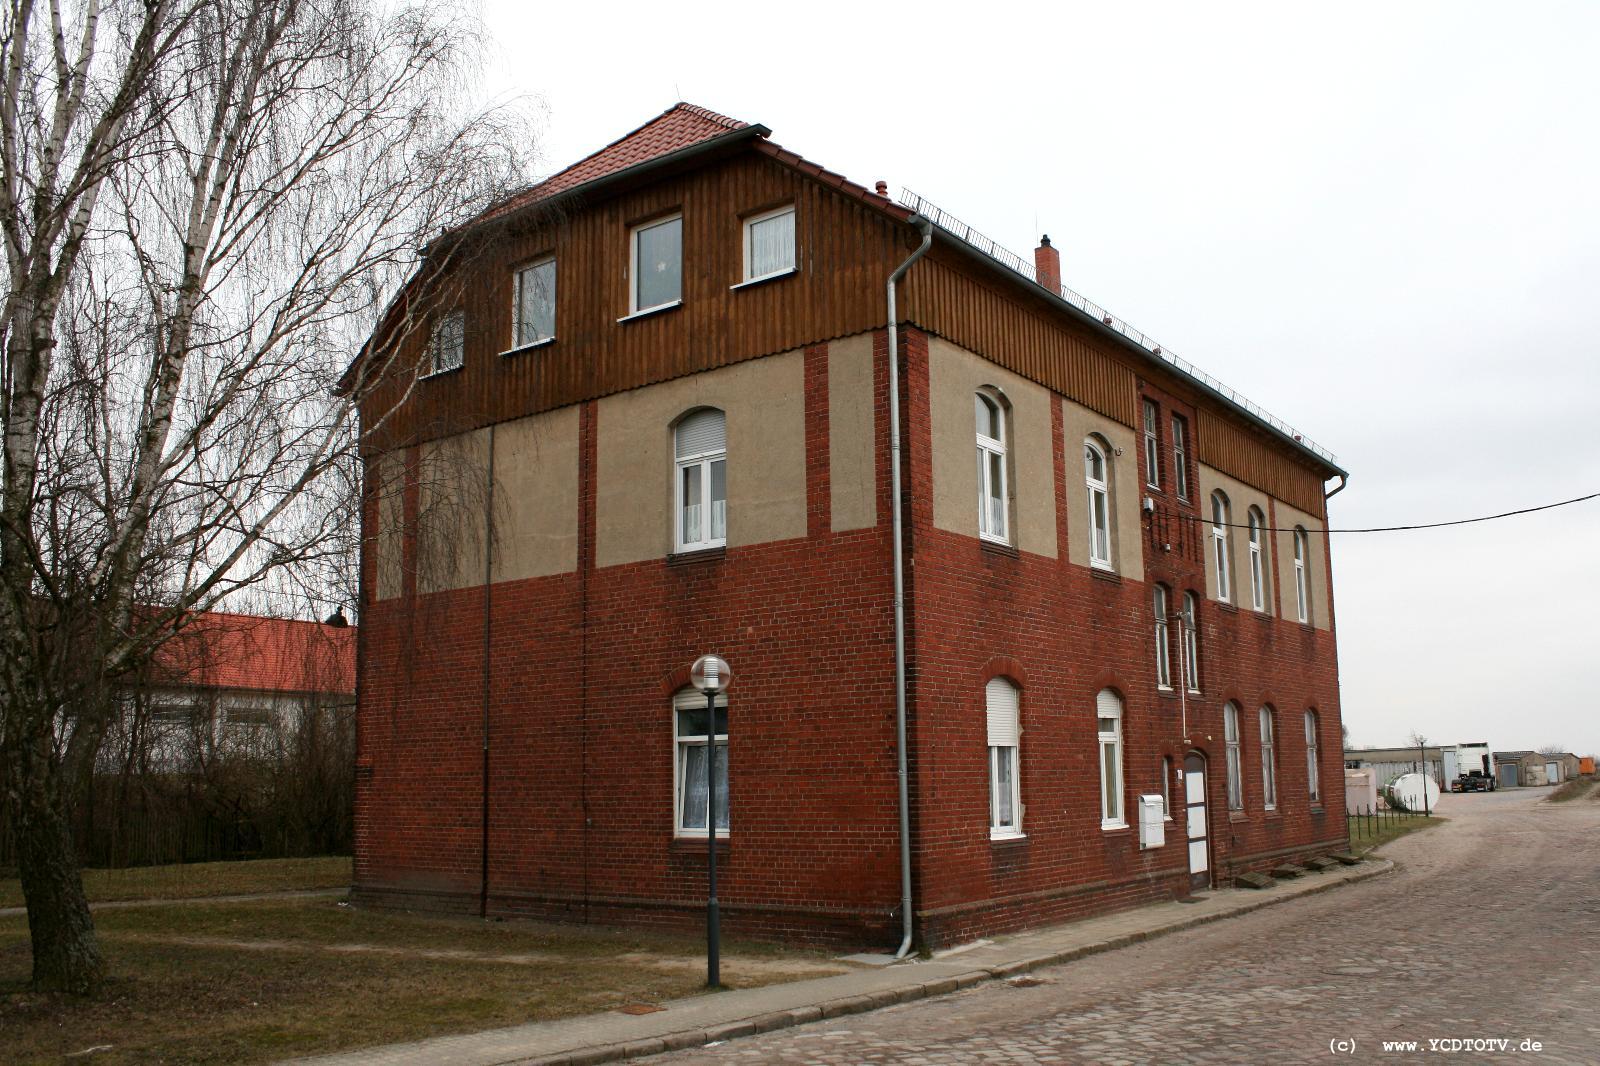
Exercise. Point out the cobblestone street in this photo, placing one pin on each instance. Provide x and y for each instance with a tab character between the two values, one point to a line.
1489	930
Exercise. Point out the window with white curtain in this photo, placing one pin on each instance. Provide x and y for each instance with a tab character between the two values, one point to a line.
702	484
1163	653
691	732
657	264
1313	777
1180	457
533	308
1302	588
1258	570
1230	736
1108	712
769	244
1096	476
1005	734
1269	761
1152	446
1220	539
449	342
1191	642
993	503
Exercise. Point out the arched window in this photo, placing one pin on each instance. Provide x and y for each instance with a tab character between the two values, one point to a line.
1163	654
1191	642
1219	546
992	498
1302	588
1313	778
1258	570
1096	475
1269	761
1152	446
1108	711
1230	734
1005	734
701	447
690	731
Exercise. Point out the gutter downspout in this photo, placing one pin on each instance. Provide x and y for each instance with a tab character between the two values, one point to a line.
1344	480
488	586
926	228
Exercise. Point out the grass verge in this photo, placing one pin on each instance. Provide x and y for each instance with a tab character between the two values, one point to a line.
200	879
1370	835
262	980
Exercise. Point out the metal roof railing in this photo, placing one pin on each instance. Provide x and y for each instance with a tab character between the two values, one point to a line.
1014	262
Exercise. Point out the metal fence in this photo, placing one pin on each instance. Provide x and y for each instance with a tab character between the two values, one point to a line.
1370	822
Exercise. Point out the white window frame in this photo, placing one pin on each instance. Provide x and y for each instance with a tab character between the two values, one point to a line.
704	460
516	303
457	319
1152	446
1110	788
1235	760
1166	788
988	449
1313	770
633	264
1269	760
1258	576
1161	601
1003	715
1191	641
1219	546
748	231
1302	588
692	700
1180	459
1099	522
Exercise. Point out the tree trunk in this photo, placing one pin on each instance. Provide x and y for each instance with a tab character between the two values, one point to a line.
66	953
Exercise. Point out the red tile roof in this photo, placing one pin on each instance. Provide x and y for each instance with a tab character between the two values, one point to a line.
679	126
220	650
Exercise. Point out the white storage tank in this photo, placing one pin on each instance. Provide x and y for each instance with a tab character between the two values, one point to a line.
1413	792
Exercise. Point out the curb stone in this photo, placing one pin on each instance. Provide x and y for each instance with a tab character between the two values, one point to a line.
837	1008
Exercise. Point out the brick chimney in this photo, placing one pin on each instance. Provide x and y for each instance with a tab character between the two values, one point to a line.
1047	265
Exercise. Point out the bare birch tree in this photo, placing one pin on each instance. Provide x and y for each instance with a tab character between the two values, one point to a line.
203	205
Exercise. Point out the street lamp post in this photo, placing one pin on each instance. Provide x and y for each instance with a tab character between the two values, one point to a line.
711	675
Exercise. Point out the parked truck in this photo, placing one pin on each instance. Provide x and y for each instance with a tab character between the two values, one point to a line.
1469	767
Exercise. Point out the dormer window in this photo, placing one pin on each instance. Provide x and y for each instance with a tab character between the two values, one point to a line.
769	244
657	265
449	342
533	310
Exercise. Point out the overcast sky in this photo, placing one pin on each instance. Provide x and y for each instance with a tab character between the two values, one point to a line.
1379	221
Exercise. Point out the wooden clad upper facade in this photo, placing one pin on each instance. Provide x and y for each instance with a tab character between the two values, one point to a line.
848	240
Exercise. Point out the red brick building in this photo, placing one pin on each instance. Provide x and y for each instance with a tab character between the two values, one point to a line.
642	412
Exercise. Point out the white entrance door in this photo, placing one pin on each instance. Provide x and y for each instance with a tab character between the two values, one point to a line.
1552	773
1194	801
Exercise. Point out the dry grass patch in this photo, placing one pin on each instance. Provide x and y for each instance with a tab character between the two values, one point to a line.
1577	788
201	879
257	981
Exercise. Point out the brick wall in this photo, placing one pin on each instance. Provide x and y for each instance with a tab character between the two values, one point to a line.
582	667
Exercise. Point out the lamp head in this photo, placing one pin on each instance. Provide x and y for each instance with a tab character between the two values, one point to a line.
710	674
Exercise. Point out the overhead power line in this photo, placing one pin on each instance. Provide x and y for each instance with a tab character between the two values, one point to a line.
1397	529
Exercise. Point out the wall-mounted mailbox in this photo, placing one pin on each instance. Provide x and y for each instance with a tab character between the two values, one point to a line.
1152	822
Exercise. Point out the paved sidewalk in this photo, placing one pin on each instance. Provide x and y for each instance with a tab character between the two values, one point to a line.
704	1019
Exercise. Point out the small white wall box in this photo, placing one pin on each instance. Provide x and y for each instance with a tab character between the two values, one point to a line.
1152	822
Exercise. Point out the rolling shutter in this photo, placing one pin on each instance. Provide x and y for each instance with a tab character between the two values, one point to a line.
1003	724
